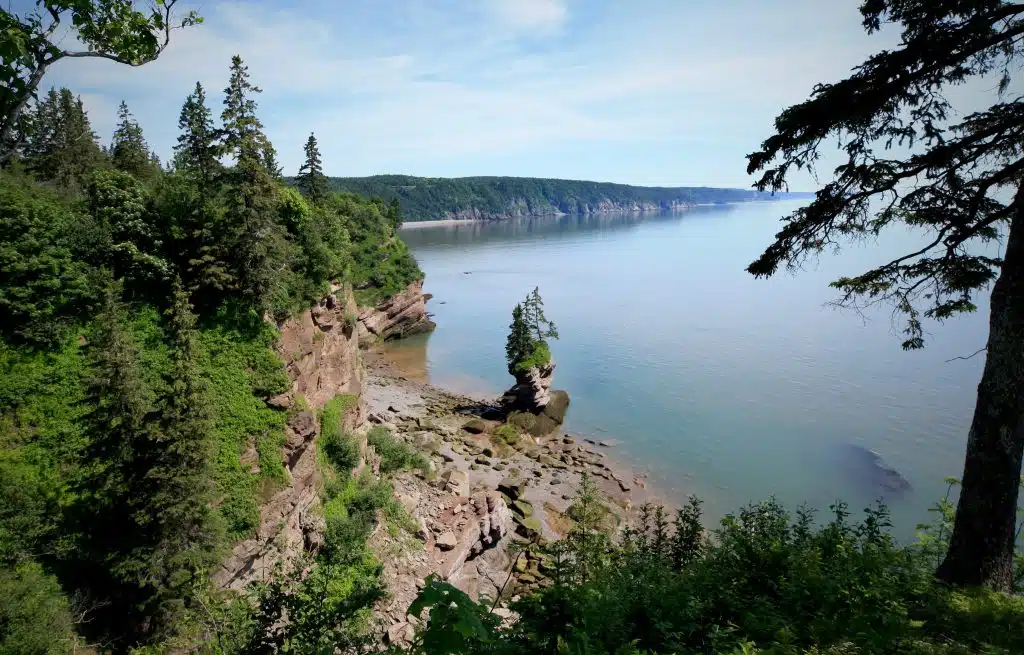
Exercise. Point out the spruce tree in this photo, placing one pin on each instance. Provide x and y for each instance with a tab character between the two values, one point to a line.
519	344
128	149
62	146
269	156
311	180
197	147
187	531
258	239
111	494
243	132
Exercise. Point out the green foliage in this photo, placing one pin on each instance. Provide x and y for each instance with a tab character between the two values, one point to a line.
508	434
60	146
527	346
237	359
424	199
128	149
456	623
763	582
395	455
35	616
44	282
340	449
381	264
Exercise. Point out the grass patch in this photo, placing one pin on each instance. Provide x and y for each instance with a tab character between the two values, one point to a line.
395	455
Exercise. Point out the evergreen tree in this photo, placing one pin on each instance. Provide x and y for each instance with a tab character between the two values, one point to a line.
197	147
269	156
311	180
128	149
519	344
533	313
111	507
61	146
243	132
395	213
258	241
187	531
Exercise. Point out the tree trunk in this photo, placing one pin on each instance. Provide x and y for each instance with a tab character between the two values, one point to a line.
981	548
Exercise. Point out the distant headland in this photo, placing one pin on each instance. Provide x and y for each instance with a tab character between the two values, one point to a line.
498	198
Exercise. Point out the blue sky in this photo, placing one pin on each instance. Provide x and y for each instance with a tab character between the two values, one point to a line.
672	92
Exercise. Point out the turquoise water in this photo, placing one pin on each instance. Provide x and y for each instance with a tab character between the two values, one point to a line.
717	384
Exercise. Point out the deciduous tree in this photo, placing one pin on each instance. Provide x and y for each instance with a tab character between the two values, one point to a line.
109	29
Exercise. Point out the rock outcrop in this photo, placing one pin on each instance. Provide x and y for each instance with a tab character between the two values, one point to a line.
320	348
541	409
290	523
321	351
401	315
532	391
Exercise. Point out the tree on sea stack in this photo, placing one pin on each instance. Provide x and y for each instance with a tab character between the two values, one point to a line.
529	360
961	185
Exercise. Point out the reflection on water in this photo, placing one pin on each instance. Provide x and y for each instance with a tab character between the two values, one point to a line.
723	385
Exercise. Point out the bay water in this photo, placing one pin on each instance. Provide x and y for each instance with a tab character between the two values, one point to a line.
711	381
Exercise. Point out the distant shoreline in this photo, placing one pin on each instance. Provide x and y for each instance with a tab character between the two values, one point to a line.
442	222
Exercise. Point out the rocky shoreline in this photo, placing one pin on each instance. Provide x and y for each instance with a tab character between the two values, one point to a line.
482	495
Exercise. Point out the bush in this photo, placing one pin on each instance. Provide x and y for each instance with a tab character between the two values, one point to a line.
764	582
395	455
340	449
34	613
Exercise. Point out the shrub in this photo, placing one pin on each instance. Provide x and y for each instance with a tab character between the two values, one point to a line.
395	455
340	449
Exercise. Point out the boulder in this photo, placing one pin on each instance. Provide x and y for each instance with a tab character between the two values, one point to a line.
475	426
282	401
457	482
512	488
485	521
446	541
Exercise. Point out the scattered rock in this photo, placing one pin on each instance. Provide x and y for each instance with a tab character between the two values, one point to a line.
282	401
447	541
475	426
408	502
523	508
457	482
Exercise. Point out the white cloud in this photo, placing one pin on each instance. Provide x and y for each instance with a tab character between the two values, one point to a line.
420	87
532	14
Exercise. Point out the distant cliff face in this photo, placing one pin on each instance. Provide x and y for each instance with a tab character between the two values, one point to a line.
495	198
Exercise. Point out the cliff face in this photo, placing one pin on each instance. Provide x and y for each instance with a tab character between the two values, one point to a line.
321	350
520	208
401	315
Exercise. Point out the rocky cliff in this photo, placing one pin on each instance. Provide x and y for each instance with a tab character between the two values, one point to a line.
320	348
401	315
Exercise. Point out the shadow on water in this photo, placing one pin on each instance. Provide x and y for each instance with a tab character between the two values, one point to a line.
868	475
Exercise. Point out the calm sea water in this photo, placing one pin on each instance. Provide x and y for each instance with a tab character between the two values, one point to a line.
717	384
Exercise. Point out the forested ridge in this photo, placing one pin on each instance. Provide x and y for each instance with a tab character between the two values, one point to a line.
434	198
137	311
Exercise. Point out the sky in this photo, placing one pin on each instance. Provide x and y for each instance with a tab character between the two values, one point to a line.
651	92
